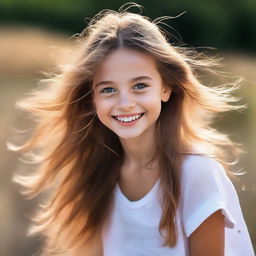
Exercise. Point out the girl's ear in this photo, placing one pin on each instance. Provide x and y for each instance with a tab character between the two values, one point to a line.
166	93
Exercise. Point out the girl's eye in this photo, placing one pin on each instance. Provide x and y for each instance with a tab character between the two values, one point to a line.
140	86
107	90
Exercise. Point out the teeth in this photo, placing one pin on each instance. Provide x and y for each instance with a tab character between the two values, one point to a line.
128	119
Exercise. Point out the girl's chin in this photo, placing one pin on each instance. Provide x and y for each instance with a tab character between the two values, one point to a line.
128	136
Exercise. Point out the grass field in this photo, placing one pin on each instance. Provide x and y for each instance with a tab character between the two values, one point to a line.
24	52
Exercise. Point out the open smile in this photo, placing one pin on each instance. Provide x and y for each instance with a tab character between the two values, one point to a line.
128	119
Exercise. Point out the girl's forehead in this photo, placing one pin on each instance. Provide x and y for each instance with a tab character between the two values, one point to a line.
126	63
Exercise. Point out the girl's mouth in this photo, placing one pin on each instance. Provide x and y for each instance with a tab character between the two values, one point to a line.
128	120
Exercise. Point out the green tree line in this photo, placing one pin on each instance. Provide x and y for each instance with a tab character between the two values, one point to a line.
224	24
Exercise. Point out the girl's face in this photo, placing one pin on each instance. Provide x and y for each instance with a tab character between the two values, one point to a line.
128	91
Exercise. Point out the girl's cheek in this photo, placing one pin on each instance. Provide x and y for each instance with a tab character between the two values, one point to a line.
104	105
151	99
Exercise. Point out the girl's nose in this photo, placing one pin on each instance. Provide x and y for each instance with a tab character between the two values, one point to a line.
126	101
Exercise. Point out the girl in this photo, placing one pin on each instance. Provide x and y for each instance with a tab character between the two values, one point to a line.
127	152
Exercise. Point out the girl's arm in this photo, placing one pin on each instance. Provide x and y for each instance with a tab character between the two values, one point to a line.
209	238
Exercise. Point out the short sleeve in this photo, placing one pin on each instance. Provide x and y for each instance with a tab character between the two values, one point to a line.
205	189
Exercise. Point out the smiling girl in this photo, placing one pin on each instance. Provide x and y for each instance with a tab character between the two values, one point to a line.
127	151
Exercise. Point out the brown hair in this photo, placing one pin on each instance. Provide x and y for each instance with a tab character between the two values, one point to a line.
75	151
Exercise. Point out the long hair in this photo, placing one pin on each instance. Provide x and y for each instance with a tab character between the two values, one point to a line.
79	158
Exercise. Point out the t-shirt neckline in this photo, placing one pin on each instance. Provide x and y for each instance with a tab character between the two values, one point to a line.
138	203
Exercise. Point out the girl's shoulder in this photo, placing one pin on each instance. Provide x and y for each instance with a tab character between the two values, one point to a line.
197	163
197	168
196	158
205	189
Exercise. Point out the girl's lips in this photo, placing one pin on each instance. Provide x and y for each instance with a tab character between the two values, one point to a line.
128	123
128	115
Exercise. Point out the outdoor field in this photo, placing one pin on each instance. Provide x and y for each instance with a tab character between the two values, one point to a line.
24	52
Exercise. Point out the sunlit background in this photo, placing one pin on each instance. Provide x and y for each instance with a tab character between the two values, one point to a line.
33	32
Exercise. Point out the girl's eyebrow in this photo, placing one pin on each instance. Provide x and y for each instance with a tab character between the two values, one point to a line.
132	80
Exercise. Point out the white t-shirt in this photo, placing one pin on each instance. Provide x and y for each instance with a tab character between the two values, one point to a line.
132	229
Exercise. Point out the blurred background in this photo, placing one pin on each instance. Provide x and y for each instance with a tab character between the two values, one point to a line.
33	32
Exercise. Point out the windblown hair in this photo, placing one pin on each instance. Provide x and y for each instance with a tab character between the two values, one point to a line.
75	151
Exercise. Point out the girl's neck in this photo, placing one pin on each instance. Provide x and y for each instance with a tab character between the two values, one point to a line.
139	151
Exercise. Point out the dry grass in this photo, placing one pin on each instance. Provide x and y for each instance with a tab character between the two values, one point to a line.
28	50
